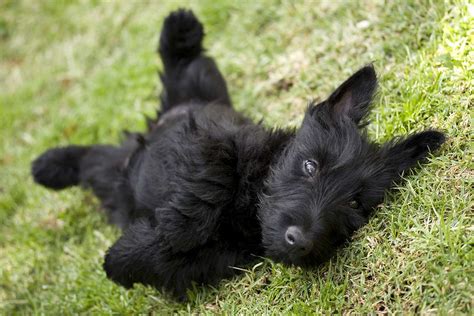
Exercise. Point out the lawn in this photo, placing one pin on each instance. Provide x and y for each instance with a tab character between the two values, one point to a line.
81	71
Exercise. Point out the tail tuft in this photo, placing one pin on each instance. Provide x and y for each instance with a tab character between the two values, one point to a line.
181	37
58	168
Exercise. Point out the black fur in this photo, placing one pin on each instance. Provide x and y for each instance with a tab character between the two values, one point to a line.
206	189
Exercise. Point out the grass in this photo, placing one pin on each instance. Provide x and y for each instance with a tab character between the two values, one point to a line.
81	71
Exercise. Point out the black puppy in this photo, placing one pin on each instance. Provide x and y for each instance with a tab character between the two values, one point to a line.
206	189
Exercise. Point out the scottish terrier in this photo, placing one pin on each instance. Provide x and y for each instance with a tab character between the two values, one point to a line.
205	189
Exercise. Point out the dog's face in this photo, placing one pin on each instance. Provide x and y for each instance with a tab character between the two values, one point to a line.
330	176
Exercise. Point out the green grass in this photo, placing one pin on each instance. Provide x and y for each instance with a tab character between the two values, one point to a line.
81	71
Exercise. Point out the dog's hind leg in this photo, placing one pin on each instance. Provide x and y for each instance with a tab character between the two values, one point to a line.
189	76
99	167
103	170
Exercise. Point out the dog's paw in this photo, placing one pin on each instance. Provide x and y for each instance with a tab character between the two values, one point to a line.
114	269
58	168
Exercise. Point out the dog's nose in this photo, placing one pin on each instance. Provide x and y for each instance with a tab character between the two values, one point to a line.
296	239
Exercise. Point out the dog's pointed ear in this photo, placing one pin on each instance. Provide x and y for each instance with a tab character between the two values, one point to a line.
353	97
406	153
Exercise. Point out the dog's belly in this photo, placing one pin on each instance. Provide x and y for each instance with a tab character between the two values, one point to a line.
189	168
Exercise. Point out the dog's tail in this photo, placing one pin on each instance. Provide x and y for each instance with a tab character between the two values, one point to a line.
188	75
59	168
181	38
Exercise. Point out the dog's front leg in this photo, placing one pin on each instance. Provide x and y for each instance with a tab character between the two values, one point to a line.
142	256
187	228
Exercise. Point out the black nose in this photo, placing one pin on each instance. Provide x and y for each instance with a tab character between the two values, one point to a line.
296	239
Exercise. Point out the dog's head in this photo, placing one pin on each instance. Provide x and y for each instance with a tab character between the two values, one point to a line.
331	176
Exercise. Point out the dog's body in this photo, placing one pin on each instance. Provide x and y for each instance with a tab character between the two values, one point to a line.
206	189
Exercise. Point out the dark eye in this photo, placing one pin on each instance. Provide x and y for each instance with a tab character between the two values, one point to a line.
354	204
310	166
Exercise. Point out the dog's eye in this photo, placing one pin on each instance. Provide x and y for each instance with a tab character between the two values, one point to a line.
310	166
354	204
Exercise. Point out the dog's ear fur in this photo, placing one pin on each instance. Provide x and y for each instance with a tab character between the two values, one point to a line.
403	154
353	97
